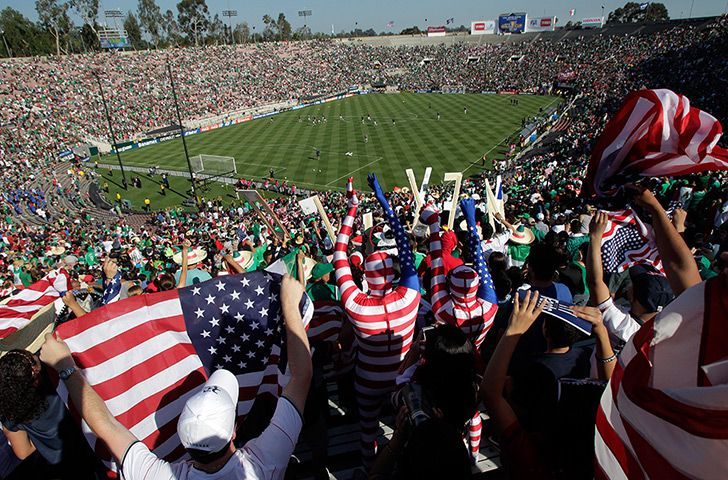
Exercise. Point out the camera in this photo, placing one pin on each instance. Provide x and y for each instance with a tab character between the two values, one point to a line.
418	411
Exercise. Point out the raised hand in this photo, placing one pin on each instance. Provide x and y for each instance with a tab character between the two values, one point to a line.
525	312
376	188
429	215
467	205
597	225
351	193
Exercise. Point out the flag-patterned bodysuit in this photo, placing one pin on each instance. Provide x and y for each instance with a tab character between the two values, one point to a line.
471	302
383	320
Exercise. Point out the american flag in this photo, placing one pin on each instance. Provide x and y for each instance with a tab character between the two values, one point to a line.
655	133
390	23
627	241
663	414
16	314
146	355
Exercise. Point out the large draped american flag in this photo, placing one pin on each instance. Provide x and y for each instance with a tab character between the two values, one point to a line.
19	310
146	355
655	133
664	413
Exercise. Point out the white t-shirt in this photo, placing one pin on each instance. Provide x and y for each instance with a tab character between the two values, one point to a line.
498	243
619	323
264	457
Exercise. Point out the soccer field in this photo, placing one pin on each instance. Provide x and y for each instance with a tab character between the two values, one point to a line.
407	134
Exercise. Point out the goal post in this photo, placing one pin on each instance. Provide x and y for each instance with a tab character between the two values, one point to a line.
214	165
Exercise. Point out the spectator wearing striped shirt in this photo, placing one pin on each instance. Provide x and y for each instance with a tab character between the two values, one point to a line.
383	320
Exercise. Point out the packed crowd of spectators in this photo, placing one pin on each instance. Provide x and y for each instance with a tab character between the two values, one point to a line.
469	283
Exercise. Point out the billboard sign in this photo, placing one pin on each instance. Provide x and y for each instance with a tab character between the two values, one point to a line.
512	23
542	24
436	31
115	42
594	22
482	27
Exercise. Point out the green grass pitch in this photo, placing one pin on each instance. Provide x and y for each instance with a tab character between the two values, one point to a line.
454	143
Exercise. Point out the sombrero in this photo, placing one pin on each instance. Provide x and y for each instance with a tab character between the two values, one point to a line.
464	228
58	250
193	257
244	258
522	236
31	336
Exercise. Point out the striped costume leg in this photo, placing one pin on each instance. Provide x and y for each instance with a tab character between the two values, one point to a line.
475	429
369	401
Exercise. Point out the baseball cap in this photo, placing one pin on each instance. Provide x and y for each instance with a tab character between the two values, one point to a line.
207	421
650	287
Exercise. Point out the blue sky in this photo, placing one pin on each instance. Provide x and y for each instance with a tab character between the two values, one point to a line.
345	15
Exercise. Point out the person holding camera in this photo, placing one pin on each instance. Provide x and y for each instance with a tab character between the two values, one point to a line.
437	398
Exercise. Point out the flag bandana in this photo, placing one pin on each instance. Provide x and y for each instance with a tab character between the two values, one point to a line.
655	133
146	355
561	310
16	314
628	241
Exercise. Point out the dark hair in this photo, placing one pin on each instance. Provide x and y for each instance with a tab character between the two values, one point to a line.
20	399
502	283
496	262
487	230
436	450
207	457
560	333
542	262
166	282
448	374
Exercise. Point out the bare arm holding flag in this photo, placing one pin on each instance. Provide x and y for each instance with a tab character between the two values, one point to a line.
680	267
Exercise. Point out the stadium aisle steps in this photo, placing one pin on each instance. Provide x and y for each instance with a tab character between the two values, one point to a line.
344	457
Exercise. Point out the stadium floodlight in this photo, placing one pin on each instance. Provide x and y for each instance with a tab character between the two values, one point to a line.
114	13
230	14
304	14
97	74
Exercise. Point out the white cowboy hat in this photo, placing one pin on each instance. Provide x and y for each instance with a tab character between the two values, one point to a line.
194	256
244	258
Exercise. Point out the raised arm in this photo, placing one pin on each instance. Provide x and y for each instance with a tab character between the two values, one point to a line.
342	270
486	289
408	272
183	268
594	271
680	267
438	283
299	352
55	353
491	387
112	282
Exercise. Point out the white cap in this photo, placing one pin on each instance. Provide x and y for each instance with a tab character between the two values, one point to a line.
207	421
539	217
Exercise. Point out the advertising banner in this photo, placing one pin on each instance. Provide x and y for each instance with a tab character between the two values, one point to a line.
115	42
594	22
482	27
512	23
436	31
541	24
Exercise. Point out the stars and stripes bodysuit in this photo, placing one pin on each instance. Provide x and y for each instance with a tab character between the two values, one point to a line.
383	319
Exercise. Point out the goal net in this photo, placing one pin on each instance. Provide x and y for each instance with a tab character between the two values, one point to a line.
214	165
